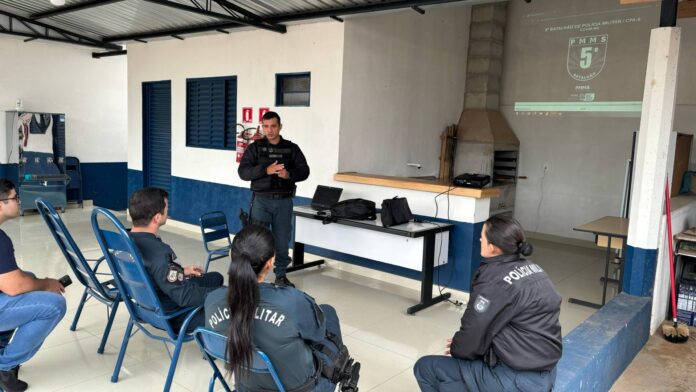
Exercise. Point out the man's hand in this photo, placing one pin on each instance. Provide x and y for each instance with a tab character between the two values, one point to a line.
274	168
447	347
284	174
193	270
53	285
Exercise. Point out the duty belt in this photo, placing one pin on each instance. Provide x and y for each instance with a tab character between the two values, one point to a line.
273	196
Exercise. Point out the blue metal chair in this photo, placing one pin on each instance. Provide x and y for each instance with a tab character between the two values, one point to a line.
103	291
138	291
214	230
214	346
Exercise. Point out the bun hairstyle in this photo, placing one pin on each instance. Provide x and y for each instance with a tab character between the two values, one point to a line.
506	233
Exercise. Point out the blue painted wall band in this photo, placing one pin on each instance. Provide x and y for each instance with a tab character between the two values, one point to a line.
639	271
597	351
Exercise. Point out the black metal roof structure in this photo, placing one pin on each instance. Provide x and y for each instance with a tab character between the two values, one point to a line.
104	24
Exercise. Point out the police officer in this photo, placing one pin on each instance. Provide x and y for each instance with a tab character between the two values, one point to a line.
510	336
176	286
281	321
274	165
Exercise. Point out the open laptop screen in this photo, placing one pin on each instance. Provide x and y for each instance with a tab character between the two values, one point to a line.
325	197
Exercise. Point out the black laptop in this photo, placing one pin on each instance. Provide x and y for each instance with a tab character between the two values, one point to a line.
325	197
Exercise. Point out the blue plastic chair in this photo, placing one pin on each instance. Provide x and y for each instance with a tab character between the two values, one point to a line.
214	346
214	229
103	291
138	292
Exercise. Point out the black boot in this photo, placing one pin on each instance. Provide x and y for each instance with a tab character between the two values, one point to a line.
283	281
9	381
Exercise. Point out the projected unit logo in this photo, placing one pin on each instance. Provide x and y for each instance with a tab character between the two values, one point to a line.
586	56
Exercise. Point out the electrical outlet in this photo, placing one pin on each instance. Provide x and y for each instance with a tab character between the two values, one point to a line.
546	167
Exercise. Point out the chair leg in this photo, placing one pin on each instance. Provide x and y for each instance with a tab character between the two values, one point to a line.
105	336
207	263
211	384
79	310
175	359
122	353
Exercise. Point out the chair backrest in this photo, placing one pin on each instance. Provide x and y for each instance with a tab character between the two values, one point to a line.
214	228
129	272
215	345
82	270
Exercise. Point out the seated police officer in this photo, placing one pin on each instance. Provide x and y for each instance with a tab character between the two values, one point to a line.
29	307
302	339
176	286
510	337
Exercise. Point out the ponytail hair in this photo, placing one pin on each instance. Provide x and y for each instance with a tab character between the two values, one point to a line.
506	233
251	249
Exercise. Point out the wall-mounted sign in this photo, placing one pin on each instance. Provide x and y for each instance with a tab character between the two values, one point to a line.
262	111
247	115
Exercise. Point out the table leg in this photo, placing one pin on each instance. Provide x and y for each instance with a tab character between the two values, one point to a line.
604	281
298	262
428	266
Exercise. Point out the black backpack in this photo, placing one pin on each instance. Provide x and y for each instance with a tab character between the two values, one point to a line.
359	209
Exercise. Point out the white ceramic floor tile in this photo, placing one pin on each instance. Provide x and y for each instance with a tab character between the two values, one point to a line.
377	365
64	365
403	382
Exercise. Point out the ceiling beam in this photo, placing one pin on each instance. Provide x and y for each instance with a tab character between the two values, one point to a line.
69	36
98	55
188	8
71	8
169	32
279	19
358	9
253	19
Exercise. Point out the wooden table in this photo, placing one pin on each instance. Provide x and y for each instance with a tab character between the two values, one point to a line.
610	227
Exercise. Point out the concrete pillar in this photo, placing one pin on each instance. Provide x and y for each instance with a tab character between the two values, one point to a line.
651	166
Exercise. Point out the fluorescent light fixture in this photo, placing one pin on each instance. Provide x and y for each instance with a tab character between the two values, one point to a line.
58	2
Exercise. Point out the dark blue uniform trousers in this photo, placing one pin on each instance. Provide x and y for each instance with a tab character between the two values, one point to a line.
334	327
210	279
276	213
439	373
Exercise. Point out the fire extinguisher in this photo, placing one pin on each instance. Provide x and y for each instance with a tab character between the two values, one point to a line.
246	136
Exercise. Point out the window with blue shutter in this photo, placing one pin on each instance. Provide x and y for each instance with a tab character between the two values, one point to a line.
211	112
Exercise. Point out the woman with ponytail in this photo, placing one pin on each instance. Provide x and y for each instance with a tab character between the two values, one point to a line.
510	336
283	322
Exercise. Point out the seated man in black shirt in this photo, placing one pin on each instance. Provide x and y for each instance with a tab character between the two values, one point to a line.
176	286
29	307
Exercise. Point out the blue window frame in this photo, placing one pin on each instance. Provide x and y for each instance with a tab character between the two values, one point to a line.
293	89
211	112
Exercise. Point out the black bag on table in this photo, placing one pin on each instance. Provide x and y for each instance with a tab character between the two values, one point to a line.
359	209
395	211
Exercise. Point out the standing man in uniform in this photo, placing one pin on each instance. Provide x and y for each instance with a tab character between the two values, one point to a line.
29	307
274	165
176	286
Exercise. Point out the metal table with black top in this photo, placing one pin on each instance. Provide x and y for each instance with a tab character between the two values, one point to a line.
419	246
613	230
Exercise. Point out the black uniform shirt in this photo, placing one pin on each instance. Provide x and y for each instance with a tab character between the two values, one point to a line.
171	286
286	322
512	315
7	257
261	154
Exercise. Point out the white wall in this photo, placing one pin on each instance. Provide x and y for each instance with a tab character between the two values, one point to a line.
62	78
403	83
586	154
255	57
